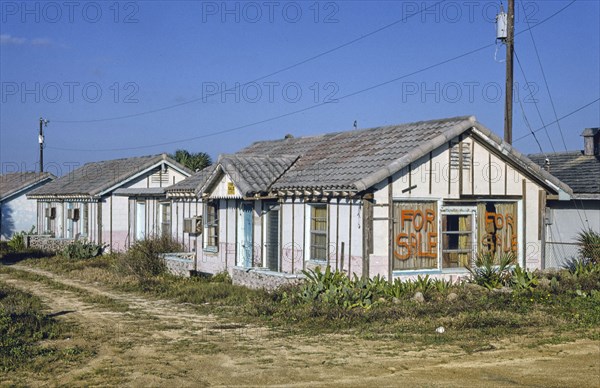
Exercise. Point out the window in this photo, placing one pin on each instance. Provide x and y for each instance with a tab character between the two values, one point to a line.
84	219
161	177
49	211
140	220
457	239
212	226
415	238
460	150
70	220
318	232
165	218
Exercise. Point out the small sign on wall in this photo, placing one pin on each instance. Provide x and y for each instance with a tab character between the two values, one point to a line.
230	188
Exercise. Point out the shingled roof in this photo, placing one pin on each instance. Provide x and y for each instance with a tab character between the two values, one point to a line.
252	174
356	160
581	172
94	179
14	183
192	183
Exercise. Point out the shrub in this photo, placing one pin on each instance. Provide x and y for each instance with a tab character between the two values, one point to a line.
144	259
82	250
17	241
221	277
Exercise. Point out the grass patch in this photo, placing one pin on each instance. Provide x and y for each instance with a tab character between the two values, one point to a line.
476	316
26	329
102	301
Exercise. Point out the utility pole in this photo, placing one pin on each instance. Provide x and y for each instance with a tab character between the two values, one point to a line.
510	33
43	123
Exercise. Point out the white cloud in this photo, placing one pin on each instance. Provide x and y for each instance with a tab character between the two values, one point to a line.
7	39
41	42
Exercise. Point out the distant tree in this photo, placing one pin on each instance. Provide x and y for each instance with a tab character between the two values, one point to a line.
194	161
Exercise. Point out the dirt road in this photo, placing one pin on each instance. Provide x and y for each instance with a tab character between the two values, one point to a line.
145	342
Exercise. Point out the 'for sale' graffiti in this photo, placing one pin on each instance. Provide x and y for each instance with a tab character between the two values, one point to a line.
418	234
500	234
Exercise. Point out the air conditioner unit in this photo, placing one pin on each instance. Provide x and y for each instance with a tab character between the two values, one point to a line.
193	225
73	214
51	212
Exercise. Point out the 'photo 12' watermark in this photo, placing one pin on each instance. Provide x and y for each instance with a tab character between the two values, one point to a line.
270	11
69	11
69	92
464	11
269	92
466	92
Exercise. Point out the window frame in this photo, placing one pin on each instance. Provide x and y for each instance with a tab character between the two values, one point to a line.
519	218
84	217
446	211
312	246
211	226
165	206
437	210
141	214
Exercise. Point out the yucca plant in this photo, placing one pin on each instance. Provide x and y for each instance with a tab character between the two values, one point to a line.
424	284
590	245
490	273
579	266
441	285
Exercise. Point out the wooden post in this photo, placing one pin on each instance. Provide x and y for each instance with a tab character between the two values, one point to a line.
542	226
99	221
350	239
342	259
509	72
391	226
524	247
367	234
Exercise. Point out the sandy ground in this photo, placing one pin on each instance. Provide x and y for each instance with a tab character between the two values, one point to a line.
147	342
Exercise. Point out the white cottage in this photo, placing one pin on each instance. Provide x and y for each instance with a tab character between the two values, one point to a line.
114	202
187	209
17	213
396	201
566	219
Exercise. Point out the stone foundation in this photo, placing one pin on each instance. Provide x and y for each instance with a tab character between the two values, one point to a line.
258	278
179	264
48	243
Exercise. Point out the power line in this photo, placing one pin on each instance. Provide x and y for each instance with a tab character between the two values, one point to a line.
544	76
296	65
284	114
545	130
529	127
558	119
534	103
310	107
309	59
554	110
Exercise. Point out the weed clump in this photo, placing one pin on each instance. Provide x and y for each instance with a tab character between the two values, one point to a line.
143	260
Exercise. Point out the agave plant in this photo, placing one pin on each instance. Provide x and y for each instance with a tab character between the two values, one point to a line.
524	280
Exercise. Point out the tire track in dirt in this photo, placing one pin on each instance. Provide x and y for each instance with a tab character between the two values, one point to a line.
160	342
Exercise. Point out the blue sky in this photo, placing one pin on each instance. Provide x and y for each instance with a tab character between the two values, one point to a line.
119	79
